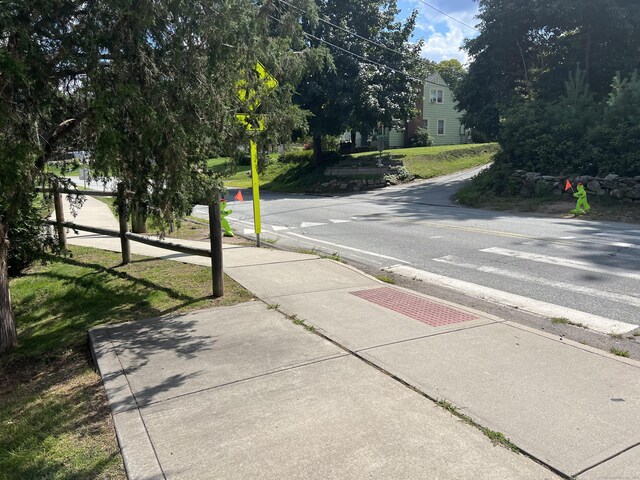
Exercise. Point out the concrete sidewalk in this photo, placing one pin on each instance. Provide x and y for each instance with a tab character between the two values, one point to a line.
243	393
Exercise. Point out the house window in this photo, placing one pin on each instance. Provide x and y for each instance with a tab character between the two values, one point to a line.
437	96
440	127
463	131
425	123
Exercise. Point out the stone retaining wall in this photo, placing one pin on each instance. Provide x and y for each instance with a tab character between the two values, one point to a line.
626	189
350	185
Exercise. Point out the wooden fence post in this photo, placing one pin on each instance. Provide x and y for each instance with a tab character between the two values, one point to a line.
57	203
124	225
215	234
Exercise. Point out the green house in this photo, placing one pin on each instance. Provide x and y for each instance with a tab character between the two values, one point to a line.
437	114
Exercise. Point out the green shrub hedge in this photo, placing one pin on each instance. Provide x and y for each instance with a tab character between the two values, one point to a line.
577	134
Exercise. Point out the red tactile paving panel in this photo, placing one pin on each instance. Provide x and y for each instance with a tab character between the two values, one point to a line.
415	307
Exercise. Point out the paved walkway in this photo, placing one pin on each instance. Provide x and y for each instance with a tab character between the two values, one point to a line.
242	392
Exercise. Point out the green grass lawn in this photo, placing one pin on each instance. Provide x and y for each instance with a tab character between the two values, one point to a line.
429	162
427	151
67	170
239	174
54	420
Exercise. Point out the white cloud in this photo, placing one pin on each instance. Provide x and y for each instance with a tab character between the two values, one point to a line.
445	45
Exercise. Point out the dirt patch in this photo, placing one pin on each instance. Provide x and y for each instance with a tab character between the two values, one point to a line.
199	231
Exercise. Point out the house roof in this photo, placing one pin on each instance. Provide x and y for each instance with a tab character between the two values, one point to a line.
436	79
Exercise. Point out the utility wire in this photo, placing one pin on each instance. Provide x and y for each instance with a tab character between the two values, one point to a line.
447	15
350	32
364	59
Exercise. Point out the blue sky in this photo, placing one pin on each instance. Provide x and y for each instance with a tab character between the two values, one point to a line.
443	36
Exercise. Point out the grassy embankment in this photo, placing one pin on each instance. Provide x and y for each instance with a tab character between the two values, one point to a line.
54	419
429	162
300	172
421	162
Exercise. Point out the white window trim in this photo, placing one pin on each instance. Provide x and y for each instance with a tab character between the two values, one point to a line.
444	127
434	98
425	123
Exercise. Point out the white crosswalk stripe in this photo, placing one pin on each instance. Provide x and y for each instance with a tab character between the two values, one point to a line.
277	228
311	224
594	322
614	297
633	234
563	262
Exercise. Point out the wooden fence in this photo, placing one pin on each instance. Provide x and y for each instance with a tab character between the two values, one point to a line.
215	232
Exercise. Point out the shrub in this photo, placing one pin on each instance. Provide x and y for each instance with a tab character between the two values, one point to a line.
576	134
479	137
493	181
330	143
421	138
241	157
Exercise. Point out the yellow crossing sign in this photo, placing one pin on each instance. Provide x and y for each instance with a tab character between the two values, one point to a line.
251	121
251	97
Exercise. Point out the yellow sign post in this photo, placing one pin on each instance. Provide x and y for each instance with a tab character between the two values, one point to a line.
255	184
251	98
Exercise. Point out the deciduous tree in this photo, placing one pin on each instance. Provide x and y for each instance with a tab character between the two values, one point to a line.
451	71
528	48
364	83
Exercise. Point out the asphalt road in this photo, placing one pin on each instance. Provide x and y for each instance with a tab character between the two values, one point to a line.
582	268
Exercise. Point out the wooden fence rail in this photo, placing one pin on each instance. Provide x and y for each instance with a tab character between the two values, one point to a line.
84	228
215	230
66	191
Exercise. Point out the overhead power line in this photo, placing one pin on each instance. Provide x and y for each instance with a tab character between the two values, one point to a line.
449	16
364	59
346	30
349	52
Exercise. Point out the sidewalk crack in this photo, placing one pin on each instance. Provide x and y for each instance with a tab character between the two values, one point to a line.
606	460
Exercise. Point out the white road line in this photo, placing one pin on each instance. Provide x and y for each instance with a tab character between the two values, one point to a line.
624	250
592	292
348	248
594	322
562	262
310	224
604	243
339	221
437	236
277	228
567	238
624	245
249	231
634	234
